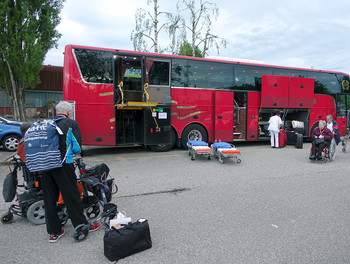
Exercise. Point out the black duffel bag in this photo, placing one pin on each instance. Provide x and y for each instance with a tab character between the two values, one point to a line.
130	239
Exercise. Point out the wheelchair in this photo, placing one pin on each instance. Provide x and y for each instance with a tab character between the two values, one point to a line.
328	152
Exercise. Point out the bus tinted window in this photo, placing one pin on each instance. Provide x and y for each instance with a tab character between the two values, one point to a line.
210	75
179	75
95	65
289	72
159	73
325	83
249	77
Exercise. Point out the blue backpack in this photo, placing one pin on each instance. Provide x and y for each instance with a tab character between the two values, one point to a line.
41	142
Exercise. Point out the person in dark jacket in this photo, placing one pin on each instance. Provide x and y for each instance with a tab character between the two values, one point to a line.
320	132
63	179
332	125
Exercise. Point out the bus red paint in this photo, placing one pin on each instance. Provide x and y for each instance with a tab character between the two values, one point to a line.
126	97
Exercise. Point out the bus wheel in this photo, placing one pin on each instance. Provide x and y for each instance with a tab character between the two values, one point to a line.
193	132
312	130
167	147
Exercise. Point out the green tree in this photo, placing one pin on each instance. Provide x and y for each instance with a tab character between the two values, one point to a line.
186	50
27	32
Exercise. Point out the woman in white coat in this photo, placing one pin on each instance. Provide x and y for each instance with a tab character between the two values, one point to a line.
274	128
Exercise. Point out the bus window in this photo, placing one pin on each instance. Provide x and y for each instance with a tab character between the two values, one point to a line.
249	77
341	105
179	75
158	73
95	66
325	83
210	75
289	72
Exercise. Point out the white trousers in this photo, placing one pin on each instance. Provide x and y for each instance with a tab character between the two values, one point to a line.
274	138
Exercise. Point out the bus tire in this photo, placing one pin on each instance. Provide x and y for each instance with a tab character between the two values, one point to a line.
312	130
167	147
193	132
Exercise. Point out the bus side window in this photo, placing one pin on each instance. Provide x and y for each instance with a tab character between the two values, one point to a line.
159	73
179	73
95	66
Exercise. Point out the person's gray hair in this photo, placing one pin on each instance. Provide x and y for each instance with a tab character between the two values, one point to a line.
330	116
63	107
322	122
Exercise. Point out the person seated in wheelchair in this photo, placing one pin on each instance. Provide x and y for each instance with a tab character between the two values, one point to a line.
321	136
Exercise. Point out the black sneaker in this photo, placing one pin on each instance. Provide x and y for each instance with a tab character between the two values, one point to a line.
319	157
312	157
54	237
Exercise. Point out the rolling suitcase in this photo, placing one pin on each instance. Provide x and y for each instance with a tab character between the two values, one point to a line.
282	138
291	138
299	141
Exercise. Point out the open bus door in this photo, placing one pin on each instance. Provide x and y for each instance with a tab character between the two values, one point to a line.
224	116
342	103
138	121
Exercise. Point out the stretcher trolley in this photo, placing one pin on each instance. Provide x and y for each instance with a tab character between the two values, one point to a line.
199	148
226	150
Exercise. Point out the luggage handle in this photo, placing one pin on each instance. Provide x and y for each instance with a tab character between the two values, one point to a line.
130	226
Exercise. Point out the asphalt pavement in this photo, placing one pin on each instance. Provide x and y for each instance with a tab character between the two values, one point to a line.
274	207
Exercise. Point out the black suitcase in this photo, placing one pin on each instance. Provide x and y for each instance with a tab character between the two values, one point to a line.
299	141
291	138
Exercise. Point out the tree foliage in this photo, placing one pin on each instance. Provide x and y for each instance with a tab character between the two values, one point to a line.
27	32
186	50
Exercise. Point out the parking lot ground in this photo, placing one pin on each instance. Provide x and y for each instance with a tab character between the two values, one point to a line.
274	207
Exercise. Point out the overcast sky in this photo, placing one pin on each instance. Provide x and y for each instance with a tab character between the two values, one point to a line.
298	33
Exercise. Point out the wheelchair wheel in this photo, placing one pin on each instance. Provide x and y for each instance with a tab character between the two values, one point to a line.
343	149
36	213
80	233
7	218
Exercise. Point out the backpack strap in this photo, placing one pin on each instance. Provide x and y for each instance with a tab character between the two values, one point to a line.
65	156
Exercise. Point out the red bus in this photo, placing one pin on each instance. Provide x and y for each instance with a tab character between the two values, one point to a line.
126	97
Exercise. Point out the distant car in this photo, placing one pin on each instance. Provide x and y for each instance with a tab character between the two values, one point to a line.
10	133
